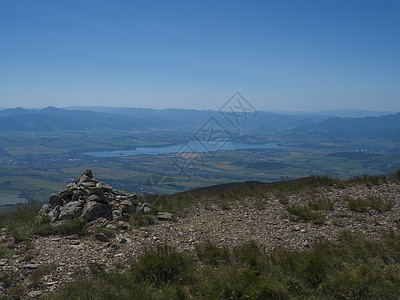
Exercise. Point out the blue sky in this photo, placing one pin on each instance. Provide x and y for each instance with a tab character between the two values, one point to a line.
281	55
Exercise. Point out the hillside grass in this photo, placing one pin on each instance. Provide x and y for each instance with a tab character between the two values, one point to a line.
352	267
24	221
226	194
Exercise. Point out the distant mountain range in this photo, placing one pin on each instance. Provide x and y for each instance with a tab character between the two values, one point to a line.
83	118
369	127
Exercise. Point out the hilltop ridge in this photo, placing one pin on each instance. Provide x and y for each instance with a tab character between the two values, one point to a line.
292	215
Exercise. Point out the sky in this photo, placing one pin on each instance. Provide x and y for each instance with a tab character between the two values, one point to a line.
280	55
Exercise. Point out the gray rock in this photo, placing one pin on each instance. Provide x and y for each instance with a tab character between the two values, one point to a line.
70	210
59	223
146	210
54	214
140	208
96	190
55	200
34	294
44	210
72	186
127	206
84	179
1	286
121	238
88	184
78	193
96	197
3	262
117	216
164	216
98	223
93	210
104	186
134	201
31	266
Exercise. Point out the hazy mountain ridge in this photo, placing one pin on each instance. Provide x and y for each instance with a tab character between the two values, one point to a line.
387	126
82	118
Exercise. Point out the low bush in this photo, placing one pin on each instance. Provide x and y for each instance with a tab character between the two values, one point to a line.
306	213
141	220
353	267
374	203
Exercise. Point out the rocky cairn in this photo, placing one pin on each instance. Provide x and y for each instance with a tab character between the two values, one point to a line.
91	199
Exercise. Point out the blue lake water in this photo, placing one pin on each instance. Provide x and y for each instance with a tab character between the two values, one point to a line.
194	146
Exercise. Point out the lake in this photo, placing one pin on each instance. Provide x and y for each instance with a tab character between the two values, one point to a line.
193	146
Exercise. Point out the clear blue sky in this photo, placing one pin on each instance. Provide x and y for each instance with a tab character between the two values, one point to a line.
286	55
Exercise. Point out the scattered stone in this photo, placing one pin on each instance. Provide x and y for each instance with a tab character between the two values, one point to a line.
122	225
31	266
51	283
34	294
121	238
3	262
98	223
72	237
164	216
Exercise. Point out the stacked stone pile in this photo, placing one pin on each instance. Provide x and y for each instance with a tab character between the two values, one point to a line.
92	199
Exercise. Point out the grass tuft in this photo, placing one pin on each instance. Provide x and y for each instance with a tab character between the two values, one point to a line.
306	213
374	203
353	267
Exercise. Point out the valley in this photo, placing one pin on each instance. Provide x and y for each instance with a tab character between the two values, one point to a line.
169	157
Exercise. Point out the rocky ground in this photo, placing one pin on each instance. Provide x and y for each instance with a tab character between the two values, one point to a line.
264	221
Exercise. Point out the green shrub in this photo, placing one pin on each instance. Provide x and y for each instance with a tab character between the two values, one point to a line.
353	267
374	203
321	204
38	273
306	213
4	252
209	253
357	204
141	220
164	265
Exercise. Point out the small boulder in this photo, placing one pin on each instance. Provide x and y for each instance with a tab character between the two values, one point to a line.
93	210
98	223
164	216
117	216
54	214
88	173
104	186
70	210
96	197
44	210
88	184
55	200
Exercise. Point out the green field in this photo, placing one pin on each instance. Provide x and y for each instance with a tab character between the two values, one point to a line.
37	164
